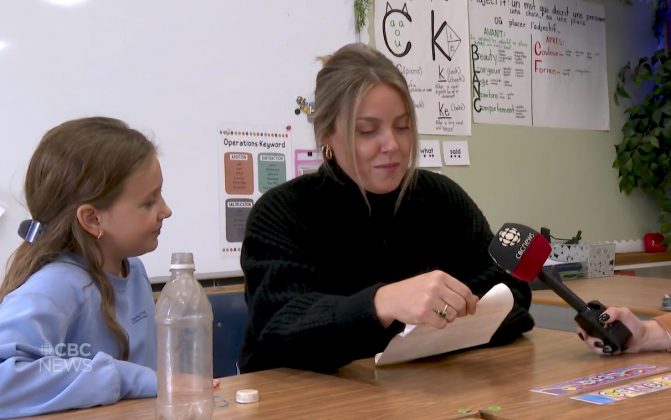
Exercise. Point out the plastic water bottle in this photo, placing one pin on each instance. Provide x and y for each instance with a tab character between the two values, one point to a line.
184	327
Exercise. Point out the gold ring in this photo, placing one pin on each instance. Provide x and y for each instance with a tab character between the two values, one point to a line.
444	311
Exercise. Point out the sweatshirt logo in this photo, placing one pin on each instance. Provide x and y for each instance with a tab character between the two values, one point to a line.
139	317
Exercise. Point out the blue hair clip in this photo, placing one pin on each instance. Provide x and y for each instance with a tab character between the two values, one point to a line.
30	230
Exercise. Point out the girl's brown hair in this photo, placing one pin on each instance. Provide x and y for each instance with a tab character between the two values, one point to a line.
84	161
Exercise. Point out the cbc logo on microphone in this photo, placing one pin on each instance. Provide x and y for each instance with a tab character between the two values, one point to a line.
509	236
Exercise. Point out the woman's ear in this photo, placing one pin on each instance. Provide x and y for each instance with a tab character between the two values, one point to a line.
87	216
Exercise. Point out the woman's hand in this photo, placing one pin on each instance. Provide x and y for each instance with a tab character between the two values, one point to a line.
422	299
646	335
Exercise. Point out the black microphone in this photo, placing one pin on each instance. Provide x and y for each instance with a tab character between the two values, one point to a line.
521	252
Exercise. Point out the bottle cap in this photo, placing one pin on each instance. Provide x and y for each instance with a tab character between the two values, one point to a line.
181	261
246	396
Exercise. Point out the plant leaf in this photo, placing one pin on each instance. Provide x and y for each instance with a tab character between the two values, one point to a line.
657	116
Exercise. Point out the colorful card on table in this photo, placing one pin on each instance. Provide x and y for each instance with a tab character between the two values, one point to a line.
598	379
611	395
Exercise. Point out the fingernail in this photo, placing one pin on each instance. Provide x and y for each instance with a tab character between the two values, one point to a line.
598	344
604	317
581	336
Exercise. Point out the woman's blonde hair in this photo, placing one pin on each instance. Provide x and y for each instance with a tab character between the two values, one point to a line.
342	83
83	161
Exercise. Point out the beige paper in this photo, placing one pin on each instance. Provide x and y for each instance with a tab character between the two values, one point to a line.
472	330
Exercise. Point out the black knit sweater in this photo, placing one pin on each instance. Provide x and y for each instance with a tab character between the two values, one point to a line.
314	255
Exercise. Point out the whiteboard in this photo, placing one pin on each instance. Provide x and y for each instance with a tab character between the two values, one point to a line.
173	69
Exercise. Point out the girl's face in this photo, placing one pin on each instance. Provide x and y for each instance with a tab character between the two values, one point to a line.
132	224
383	140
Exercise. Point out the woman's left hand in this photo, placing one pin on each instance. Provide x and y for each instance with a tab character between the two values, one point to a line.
646	335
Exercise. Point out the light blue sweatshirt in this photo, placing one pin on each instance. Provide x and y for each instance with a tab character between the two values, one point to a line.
56	352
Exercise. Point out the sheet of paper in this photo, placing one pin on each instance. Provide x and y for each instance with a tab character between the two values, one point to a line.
429	154
455	153
472	330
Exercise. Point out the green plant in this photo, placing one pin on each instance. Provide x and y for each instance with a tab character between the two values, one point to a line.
643	157
361	8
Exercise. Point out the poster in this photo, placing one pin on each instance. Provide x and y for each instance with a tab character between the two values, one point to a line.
307	161
539	63
428	42
253	160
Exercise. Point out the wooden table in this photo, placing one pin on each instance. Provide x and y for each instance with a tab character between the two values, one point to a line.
437	387
643	295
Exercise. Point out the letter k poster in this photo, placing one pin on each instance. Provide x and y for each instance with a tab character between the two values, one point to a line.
428	42
252	160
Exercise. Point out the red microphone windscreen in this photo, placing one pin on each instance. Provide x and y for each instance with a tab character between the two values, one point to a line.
532	260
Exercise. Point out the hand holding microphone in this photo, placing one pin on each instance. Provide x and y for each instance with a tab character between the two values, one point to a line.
521	252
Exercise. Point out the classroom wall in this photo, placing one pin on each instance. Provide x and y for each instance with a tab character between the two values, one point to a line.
177	71
563	178
559	178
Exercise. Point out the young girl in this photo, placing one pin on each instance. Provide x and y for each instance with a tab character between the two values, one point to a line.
76	309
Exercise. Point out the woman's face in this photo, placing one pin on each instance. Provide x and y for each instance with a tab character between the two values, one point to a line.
383	140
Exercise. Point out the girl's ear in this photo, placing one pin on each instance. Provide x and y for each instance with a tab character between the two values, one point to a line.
87	216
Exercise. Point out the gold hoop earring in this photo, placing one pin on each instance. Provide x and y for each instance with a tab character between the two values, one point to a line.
100	234
327	151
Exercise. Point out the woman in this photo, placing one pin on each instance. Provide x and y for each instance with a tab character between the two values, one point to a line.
649	335
338	261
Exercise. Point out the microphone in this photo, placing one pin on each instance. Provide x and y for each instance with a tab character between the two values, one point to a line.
521	252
